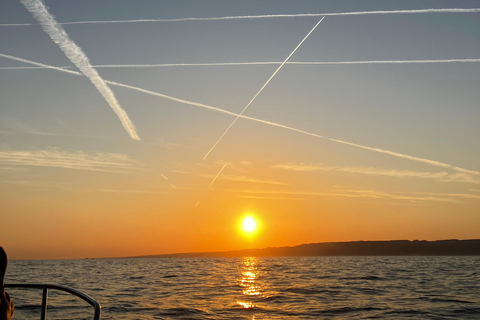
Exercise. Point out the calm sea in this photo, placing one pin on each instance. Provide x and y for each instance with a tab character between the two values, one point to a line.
255	288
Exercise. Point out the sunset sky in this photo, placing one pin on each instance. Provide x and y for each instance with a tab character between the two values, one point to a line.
108	160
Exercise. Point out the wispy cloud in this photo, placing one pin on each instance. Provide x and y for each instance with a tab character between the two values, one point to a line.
75	159
372	171
261	89
234	178
11	169
453	195
17	125
131	191
252	180
76	55
371	194
37	184
466	171
269	198
274	124
300	15
222	64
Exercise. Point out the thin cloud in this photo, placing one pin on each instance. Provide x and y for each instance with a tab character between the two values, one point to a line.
78	160
454	195
221	64
196	104
351	194
252	180
36	184
466	171
132	191
270	198
76	55
441	176
301	15
261	89
234	178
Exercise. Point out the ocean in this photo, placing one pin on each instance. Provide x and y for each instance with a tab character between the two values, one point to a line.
254	288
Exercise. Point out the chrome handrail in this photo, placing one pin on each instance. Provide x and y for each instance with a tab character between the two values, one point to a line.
45	288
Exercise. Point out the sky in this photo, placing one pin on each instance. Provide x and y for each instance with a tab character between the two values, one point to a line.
114	117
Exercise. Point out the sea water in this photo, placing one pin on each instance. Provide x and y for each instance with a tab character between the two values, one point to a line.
254	288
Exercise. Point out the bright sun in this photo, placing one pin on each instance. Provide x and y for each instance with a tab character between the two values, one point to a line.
249	224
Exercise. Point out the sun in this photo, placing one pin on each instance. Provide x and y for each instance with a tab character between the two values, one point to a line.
249	224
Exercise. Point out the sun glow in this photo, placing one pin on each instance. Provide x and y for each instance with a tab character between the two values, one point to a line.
249	224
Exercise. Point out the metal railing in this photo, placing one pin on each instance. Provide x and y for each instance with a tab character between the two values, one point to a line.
45	288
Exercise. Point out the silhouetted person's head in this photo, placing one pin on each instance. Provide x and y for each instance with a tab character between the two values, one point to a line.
6	305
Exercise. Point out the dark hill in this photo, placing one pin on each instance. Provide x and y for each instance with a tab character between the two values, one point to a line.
354	248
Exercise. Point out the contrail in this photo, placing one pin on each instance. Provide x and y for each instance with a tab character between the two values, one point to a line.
214	64
213	181
261	89
168	181
75	54
218	174
274	124
46	66
300	15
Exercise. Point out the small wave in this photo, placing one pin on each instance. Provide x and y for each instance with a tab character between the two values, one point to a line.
442	300
406	311
170	276
343	310
274	298
250	309
323	277
369	278
28	307
136	278
466	311
180	312
369	291
310	291
115	309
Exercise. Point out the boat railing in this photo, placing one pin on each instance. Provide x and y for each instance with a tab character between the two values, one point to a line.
46	287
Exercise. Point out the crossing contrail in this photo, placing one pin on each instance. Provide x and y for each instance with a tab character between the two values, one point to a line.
218	174
213	181
261	89
300	15
168	181
76	55
274	124
220	64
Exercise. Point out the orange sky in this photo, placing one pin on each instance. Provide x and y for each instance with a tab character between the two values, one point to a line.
368	132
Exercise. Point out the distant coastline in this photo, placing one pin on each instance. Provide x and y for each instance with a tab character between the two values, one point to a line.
354	248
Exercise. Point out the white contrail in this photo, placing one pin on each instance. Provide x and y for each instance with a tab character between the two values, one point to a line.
300	15
46	66
75	54
214	64
196	104
218	174
213	181
168	181
261	89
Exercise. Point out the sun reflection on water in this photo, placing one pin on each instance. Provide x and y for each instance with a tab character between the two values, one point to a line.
248	280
